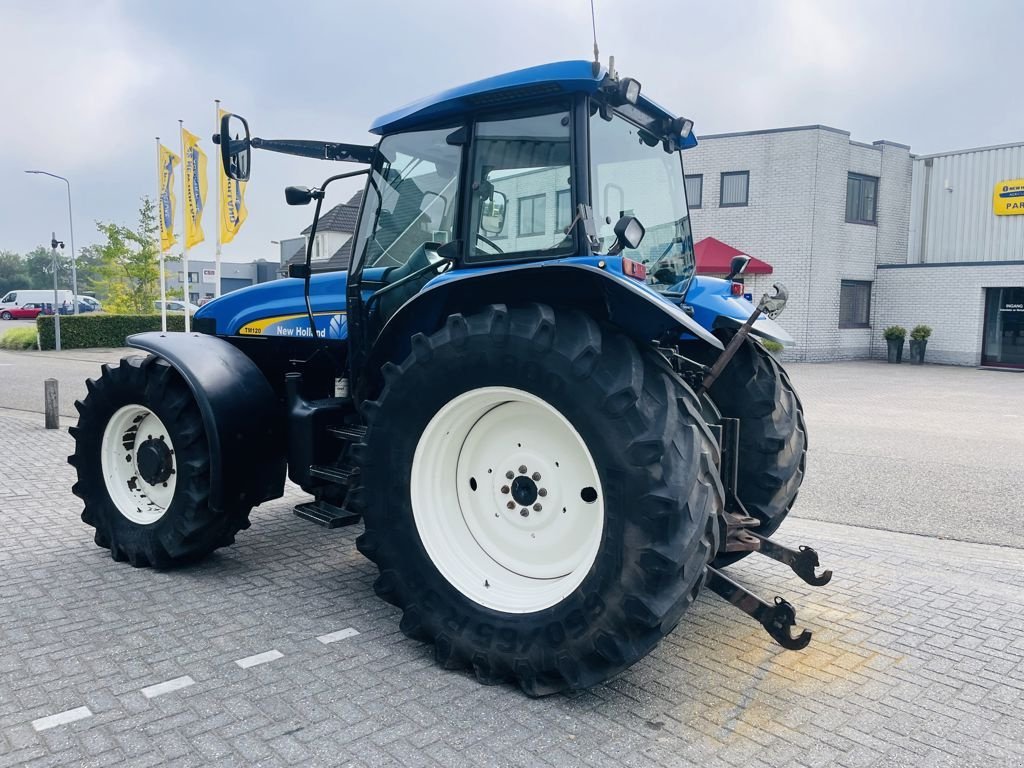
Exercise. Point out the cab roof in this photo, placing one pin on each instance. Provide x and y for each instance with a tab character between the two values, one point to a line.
521	85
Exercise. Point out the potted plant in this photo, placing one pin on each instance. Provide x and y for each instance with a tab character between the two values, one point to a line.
918	342
894	337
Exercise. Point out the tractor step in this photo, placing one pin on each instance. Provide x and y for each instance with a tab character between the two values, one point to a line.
777	619
353	433
331	474
325	514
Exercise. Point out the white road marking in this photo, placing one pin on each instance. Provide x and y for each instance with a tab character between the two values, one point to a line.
151	691
341	634
61	718
259	658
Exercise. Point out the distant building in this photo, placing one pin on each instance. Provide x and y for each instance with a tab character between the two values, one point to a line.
233	275
332	246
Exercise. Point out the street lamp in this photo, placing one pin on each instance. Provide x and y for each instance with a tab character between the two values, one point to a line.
71	230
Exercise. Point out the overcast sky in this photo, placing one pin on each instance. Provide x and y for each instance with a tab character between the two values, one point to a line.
86	86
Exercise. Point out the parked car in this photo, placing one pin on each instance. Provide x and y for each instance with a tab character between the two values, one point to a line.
24	312
88	304
175	305
23	296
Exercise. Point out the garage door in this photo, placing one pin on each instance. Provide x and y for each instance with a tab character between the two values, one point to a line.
228	284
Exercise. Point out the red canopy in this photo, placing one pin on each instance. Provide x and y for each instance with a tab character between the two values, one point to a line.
713	257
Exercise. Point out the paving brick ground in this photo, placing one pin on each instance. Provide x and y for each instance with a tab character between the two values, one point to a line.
918	656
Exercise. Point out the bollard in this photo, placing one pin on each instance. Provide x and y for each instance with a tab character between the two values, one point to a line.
51	403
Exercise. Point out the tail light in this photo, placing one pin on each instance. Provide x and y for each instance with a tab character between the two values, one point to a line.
634	269
737	289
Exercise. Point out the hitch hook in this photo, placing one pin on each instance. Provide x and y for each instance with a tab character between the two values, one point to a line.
778	618
803	561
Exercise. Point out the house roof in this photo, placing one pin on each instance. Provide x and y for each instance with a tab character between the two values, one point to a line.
713	257
341	218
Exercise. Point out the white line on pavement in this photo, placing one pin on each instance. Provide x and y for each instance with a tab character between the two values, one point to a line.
151	691
341	634
79	713
259	658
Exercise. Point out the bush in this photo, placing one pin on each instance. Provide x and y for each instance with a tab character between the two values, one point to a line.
895	333
921	332
19	338
83	331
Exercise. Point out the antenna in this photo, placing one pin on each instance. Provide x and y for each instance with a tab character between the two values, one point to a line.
593	24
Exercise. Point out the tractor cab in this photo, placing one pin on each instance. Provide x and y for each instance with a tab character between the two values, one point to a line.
565	162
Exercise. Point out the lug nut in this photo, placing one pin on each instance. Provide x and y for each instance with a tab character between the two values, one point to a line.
536	476
510	474
542	492
511	505
504	489
537	507
522	469
524	512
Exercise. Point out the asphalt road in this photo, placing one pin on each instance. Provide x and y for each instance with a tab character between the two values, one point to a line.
932	450
6	325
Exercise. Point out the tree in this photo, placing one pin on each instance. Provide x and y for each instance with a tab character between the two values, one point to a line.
129	270
39	268
12	272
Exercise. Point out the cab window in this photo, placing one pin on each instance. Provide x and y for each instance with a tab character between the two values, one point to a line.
10	298
521	172
412	197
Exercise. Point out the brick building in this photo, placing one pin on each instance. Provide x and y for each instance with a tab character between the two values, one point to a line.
869	235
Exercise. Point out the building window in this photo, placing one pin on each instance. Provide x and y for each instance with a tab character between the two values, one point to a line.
531	215
734	189
563	210
694	190
861	198
854	304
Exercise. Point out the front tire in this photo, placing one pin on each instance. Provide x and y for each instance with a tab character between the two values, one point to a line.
5	315
143	464
604	562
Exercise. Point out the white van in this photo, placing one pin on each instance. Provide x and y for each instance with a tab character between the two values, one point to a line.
25	296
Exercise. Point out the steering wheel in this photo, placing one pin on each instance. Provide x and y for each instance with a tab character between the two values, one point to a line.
489	242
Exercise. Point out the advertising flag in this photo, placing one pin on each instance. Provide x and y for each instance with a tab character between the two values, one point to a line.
232	203
168	161
195	188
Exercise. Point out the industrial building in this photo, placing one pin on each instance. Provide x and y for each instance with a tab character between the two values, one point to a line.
233	275
870	235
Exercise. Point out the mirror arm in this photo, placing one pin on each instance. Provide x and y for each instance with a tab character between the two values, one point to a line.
318	150
312	233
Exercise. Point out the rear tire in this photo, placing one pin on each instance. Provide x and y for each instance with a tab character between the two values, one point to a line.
521	384
143	463
755	389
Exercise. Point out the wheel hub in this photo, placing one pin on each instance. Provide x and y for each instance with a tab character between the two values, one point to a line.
524	491
154	461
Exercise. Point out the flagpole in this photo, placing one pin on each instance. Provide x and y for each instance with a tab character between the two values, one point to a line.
159	239
184	222
220	170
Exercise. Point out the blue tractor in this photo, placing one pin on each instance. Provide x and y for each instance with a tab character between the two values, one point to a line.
554	433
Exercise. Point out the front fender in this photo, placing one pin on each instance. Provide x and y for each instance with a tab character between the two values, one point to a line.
604	293
714	306
240	412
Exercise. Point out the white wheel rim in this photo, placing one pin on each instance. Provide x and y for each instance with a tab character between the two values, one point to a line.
499	557
128	430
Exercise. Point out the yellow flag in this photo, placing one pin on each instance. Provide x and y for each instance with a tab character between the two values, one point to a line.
195	188
168	160
232	203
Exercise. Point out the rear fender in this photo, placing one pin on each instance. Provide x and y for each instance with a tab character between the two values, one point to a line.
605	294
241	414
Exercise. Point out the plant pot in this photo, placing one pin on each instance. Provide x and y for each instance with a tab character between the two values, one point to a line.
895	350
917	351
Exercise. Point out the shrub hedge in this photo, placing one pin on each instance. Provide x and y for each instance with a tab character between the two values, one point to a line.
101	330
18	338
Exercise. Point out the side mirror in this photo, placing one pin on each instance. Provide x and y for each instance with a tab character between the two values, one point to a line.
492	213
629	233
234	152
298	195
737	266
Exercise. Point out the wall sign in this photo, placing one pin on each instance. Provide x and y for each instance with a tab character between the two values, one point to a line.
209	273
1008	198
